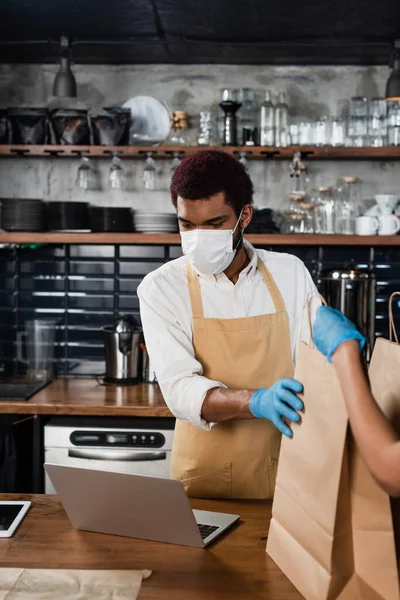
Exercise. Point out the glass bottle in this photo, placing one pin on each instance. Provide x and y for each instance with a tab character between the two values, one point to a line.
282	121
267	121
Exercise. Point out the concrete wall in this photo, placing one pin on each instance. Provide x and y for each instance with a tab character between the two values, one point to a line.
312	91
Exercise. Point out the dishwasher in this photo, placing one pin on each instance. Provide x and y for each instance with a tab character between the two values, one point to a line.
139	445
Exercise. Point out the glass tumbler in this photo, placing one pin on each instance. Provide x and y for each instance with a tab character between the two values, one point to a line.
358	121
393	109
377	122
338	132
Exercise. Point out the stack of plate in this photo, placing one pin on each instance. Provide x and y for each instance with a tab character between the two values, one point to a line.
67	216
110	218
22	214
146	222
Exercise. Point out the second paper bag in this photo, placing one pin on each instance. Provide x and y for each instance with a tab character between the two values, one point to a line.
331	530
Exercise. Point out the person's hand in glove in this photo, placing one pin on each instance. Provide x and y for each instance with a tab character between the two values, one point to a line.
331	328
278	401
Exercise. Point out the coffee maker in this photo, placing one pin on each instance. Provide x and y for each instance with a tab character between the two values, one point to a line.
122	351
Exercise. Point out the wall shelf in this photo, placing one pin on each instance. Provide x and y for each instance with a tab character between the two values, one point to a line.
255	152
174	239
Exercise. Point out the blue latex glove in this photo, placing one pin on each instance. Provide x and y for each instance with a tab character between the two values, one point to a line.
276	402
331	328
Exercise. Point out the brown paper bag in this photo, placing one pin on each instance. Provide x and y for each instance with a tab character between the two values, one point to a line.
331	531
384	375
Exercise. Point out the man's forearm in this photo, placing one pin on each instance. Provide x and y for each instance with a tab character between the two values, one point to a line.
373	433
221	404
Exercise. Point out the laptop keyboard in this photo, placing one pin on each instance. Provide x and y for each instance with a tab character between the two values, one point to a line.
206	530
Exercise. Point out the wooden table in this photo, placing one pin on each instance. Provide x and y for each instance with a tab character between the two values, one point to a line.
234	568
87	397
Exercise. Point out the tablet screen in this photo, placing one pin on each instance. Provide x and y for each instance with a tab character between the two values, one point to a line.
8	512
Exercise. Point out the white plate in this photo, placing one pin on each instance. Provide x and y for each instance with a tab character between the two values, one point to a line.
150	120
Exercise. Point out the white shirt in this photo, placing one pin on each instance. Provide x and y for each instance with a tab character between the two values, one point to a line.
167	319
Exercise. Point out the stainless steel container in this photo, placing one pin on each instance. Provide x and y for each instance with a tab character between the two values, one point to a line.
122	351
352	291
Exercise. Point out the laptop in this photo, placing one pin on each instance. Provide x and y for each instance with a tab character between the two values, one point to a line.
139	506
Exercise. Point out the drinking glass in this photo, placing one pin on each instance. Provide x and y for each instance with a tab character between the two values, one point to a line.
294	133
377	122
85	177
393	109
207	129
358	121
322	131
338	132
150	173
306	134
116	173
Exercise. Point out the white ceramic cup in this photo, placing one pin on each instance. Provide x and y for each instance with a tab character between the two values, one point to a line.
387	203
367	225
388	225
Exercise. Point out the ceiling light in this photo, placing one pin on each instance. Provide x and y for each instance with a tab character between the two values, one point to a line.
64	82
393	83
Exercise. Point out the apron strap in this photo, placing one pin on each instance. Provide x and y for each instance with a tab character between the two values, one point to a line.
272	287
195	293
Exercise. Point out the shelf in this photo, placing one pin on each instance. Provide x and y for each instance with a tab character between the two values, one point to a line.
253	152
259	239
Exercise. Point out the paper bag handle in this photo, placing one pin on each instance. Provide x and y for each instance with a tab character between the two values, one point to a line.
310	297
392	328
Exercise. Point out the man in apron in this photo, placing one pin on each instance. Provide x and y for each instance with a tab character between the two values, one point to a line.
221	325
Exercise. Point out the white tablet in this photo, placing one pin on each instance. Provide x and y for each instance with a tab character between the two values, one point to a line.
11	515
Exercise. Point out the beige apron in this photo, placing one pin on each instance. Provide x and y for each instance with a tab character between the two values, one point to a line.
238	458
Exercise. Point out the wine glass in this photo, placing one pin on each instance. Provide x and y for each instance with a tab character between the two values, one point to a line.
149	173
175	163
116	174
85	177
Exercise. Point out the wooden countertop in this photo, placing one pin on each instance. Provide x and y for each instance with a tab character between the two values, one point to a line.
234	568
87	397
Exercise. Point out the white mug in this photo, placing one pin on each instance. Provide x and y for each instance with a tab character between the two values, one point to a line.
388	225
366	225
387	203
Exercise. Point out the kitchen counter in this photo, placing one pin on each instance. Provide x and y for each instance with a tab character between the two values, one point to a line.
87	397
235	567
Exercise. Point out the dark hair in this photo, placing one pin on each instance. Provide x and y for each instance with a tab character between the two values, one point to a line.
208	172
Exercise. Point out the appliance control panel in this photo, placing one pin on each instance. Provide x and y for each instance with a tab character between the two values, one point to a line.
125	439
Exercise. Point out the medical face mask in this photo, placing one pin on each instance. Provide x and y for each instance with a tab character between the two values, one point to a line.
210	251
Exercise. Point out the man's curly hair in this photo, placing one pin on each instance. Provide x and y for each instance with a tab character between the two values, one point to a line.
208	172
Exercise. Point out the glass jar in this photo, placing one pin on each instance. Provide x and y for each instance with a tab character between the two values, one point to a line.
324	210
348	205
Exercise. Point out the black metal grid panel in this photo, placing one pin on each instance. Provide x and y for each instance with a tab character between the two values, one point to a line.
85	287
